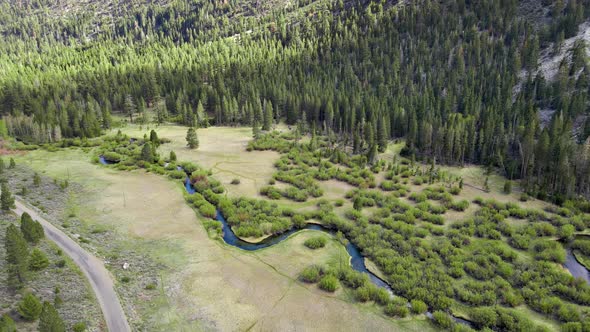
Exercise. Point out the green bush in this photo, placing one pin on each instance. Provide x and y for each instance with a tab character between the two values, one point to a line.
363	294
30	307
38	260
460	205
316	242
441	319
79	327
61	263
311	274
208	210
112	157
396	310
455	190
329	283
7	324
418	307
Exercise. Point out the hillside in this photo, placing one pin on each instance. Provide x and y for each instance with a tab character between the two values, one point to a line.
400	71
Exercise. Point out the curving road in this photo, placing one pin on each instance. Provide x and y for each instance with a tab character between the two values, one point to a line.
93	268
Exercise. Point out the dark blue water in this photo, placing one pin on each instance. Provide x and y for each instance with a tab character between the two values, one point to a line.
104	161
357	260
229	237
576	269
188	186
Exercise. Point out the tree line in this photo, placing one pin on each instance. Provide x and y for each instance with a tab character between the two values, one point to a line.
458	80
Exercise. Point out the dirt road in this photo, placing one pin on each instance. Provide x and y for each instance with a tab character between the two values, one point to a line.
93	268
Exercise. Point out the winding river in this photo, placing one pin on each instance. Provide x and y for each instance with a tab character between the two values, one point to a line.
357	260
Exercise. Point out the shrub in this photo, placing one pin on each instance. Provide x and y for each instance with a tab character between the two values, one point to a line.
329	283
518	213
484	317
508	187
460	205
419	307
442	320
151	286
38	260
208	210
176	174
30	307
352	278
418	197
79	327
549	251
235	181
380	295
311	274
363	294
396	310
7	324
112	157
316	242
49	320
125	279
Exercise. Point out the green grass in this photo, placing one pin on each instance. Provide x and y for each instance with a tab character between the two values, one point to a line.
149	215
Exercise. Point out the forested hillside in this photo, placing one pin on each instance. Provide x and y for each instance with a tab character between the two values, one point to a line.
458	79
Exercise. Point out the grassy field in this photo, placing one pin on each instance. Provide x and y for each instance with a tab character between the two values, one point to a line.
223	150
199	277
204	284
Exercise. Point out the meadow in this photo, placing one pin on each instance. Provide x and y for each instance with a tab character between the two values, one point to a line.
198	278
443	232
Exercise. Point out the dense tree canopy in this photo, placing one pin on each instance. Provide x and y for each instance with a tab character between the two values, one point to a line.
458	79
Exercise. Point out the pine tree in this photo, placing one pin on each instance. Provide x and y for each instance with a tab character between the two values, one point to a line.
7	324
31	229
130	107
381	135
372	155
147	153
192	138
255	130
49	319
38	260
12	163
57	300
268	113
17	256
154	138
162	113
508	187
30	307
36	180
201	116
6	199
